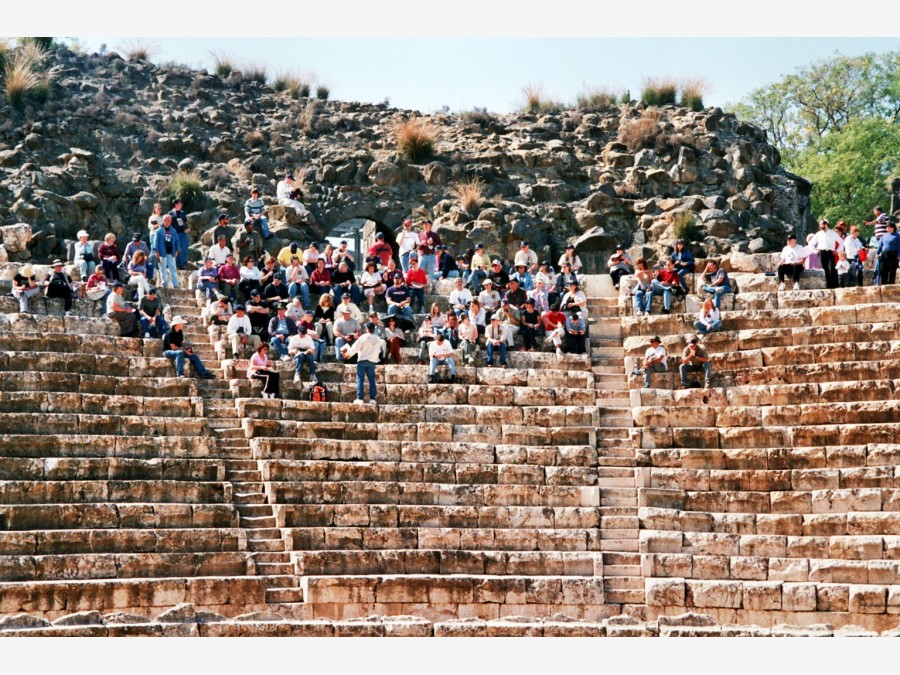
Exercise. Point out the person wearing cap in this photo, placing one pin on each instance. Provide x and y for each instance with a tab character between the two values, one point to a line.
381	249
515	293
574	298
887	252
619	265
262	368
239	332
121	312
60	285
684	263
523	277
828	244
229	277
655	361
460	297
97	286
441	353
496	340
368	350
25	286
246	241
275	292
407	242
280	330
219	251
287	195
530	325
255	210
666	280
525	256
489	298
569	257
343	282
417	280
221	229
498	276
208	280
371	283
150	315
258	312
399	299
164	249
302	350
181	228
346	300
429	242
790	263
554	323
346	330
716	282
250	276
297	281
175	350
85	257
694	359
576	332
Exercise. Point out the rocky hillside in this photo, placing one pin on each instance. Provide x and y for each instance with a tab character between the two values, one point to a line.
105	145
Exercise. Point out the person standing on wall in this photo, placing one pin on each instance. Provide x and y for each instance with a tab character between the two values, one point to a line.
368	351
428	248
828	244
180	226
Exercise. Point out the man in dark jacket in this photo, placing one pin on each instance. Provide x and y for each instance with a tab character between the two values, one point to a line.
281	328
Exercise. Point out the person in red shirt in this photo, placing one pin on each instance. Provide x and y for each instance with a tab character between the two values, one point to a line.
417	280
381	249
665	281
320	279
428	249
554	322
229	276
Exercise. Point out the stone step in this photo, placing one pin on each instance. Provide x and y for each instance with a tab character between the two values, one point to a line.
249	498
274	569
282	581
240	464
620	522
618	501
261	531
251	476
284	595
229	431
620	558
621	571
267	545
624	461
625	597
224	423
619	534
622	583
616	482
272	556
616	369
615	420
261	522
620	545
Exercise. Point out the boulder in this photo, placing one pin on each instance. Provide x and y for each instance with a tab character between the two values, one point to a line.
15	238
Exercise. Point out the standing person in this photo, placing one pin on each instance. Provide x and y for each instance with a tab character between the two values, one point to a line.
709	319
119	311
255	210
153	323
717	283
684	263
85	255
655	361
166	246
367	350
381	250
181	227
569	258
110	257
441	352
853	247
428	247
496	340
643	292
620	264
288	195
828	244
59	285
175	350
302	349
155	221
262	368
843	270
879	224
694	359
407	242
576	333
24	286
887	252
395	337
790	262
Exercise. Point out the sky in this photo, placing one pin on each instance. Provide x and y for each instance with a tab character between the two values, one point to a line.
428	73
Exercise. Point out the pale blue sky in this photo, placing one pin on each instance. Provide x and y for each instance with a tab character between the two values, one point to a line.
428	73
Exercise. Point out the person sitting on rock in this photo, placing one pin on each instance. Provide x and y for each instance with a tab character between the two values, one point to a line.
308	321
694	359
655	361
25	286
175	350
708	321
576	332
121	312
246	242
417	281
573	299
479	267
554	322
525	256
666	280
460	297
440	353
137	274
446	264
255	210
262	368
222	229
110	257
496	341
295	311
498	276
643	291
97	286
489	299
545	276
569	258
229	278
371	284
790	263
716	282
289	196
60	285
85	257
292	250
268	268
280	330
240	332
347	301
346	331
530	326
468	339
343	281
302	349
684	263
250	277
522	277
208	280
150	315
395	339
219	312
219	251
619	265
320	279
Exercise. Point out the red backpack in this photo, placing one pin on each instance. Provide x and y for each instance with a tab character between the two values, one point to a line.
318	393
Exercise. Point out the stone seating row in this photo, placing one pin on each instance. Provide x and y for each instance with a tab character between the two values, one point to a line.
73	344
772	437
116	515
123	540
273	471
113	445
92	491
13	322
116	468
422	431
772	394
548	456
102	404
165	387
46	423
42	306
442	516
794	458
776	480
87	364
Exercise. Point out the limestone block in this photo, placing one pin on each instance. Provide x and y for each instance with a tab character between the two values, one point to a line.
798	597
781	524
710	567
665	592
839	571
768	546
15	238
762	595
728	594
893	600
660	542
868	599
707	543
749	568
788	569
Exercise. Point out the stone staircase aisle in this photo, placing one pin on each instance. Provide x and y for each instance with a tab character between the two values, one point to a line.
264	540
619	524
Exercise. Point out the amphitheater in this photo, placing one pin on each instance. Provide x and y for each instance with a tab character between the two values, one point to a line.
551	498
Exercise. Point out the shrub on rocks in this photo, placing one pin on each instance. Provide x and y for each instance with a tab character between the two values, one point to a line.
659	91
415	138
186	186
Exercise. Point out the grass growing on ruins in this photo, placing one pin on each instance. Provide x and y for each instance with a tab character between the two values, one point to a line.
591	100
534	96
254	138
255	72
293	85
20	78
138	49
641	132
186	186
415	138
692	92
479	116
223	64
470	194
322	92
659	91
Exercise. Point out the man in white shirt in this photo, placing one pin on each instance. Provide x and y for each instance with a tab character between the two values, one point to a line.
852	247
240	332
441	353
525	256
219	251
285	193
368	351
828	244
302	349
791	263
407	242
655	361
460	297
489	298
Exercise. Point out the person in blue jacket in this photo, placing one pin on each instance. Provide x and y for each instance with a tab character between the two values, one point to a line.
165	247
887	252
684	262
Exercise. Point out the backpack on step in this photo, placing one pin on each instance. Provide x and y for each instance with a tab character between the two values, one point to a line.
318	393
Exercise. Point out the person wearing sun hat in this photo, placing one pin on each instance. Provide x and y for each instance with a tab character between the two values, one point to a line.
85	255
24	286
175	350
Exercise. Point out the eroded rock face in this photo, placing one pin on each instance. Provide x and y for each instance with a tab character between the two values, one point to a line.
556	178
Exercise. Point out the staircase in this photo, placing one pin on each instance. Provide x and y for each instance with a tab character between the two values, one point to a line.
267	548
619	535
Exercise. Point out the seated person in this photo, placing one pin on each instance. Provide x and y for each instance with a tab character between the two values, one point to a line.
498	276
666	280
573	298
381	249
275	293
295	309
460	297
708	321
684	263
346	331
511	318
137	273
109	255
571	259
530	326
344	281
324	317
175	350
153	323
85	256
292	250
716	282
516	294
371	284
694	359
240	332
446	264
280	330
269	269
120	311
347	301
312	329
643	292
479	267
219	251
524	279
258	314
343	255
440	352
219	312
564	279
60	285
302	349
489	298
297	281
97	286
262	368
576	332
417	281
477	315
468	338
496	341
255	211
320	278
554	322
425	336
250	277
399	299
619	265
655	361
395	338
790	263
208	279
540	296
229	277
526	258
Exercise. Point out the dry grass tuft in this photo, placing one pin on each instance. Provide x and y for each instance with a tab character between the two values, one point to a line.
255	72
659	91
20	78
470	194
138	49
533	94
254	138
293	85
592	100
692	92
223	64
415	138
322	92
641	132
